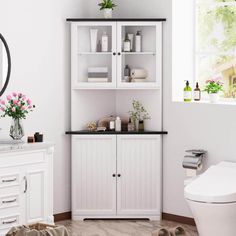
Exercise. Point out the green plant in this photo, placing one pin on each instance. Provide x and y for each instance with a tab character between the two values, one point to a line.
213	86
138	112
107	4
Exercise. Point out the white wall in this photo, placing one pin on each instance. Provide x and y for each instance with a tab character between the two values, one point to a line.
38	37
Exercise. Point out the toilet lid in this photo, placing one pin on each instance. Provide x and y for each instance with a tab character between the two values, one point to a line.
216	185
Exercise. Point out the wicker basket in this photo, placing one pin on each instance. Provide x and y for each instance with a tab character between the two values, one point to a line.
41	226
37	226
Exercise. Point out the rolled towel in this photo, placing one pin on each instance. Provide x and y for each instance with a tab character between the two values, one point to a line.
178	231
161	232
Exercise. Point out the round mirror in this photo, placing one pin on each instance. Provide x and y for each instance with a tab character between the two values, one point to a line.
5	65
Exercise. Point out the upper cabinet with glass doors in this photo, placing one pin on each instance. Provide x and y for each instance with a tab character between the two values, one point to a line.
116	53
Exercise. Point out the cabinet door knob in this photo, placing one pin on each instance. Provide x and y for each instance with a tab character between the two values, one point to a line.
119	53
119	175
114	175
114	53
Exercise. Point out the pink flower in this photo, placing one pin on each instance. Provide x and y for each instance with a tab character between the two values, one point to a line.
2	109
20	95
2	102
14	94
15	102
30	107
23	98
29	101
18	104
8	97
23	108
13	109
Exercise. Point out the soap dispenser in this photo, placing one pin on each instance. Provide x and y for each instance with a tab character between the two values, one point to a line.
187	92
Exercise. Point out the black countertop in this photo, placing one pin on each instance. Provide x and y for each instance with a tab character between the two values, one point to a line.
115	19
86	132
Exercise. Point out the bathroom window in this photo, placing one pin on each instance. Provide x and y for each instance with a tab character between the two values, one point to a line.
215	43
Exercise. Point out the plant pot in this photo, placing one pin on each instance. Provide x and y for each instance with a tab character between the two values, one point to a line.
17	129
214	97
107	13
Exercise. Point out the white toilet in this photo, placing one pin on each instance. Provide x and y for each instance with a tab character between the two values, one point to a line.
212	199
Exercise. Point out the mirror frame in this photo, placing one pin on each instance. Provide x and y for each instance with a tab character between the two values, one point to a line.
9	64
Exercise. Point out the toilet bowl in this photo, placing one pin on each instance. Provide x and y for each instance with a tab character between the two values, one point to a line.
212	200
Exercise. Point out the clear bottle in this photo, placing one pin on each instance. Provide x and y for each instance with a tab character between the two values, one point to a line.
130	125
118	124
197	93
127	44
187	93
104	42
138	42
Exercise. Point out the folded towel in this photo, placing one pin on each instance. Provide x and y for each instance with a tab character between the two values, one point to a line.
161	232
178	231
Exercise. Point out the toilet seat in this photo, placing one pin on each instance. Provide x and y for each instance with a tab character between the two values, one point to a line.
216	185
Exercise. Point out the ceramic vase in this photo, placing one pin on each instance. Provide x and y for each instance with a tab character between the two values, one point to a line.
107	13
17	129
214	97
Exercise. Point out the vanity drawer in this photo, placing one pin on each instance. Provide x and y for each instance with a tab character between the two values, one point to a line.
9	221
9	180
9	201
26	158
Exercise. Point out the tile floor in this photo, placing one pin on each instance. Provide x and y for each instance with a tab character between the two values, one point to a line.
120	227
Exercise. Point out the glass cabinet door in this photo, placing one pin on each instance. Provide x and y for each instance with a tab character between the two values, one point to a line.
93	55
139	55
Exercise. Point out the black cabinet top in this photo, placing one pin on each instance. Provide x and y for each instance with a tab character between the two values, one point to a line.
115	19
86	132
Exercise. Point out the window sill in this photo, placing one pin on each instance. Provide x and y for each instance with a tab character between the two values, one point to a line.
220	102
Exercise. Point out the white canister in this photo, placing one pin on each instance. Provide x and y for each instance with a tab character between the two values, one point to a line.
104	42
118	124
93	39
138	42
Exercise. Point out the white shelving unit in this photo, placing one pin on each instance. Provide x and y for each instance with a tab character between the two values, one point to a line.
116	175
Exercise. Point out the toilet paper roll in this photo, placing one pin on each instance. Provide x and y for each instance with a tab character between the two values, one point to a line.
191	173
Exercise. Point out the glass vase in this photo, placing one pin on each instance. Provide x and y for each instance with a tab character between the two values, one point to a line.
17	129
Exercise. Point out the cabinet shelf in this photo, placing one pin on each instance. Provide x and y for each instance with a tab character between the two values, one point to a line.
139	53
94	53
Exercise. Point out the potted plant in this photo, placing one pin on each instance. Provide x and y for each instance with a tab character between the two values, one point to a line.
213	87
16	106
138	115
107	6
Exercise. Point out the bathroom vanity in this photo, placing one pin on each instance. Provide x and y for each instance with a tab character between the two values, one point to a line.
26	184
116	174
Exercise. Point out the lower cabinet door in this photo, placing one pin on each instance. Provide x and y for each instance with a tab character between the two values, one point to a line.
139	175
93	176
35	190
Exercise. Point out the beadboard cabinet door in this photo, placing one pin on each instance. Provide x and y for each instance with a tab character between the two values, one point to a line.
36	193
93	176
139	176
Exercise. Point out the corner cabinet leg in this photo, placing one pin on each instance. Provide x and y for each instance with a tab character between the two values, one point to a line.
50	219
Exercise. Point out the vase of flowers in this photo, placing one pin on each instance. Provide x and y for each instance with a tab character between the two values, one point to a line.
16	106
138	115
107	7
213	88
